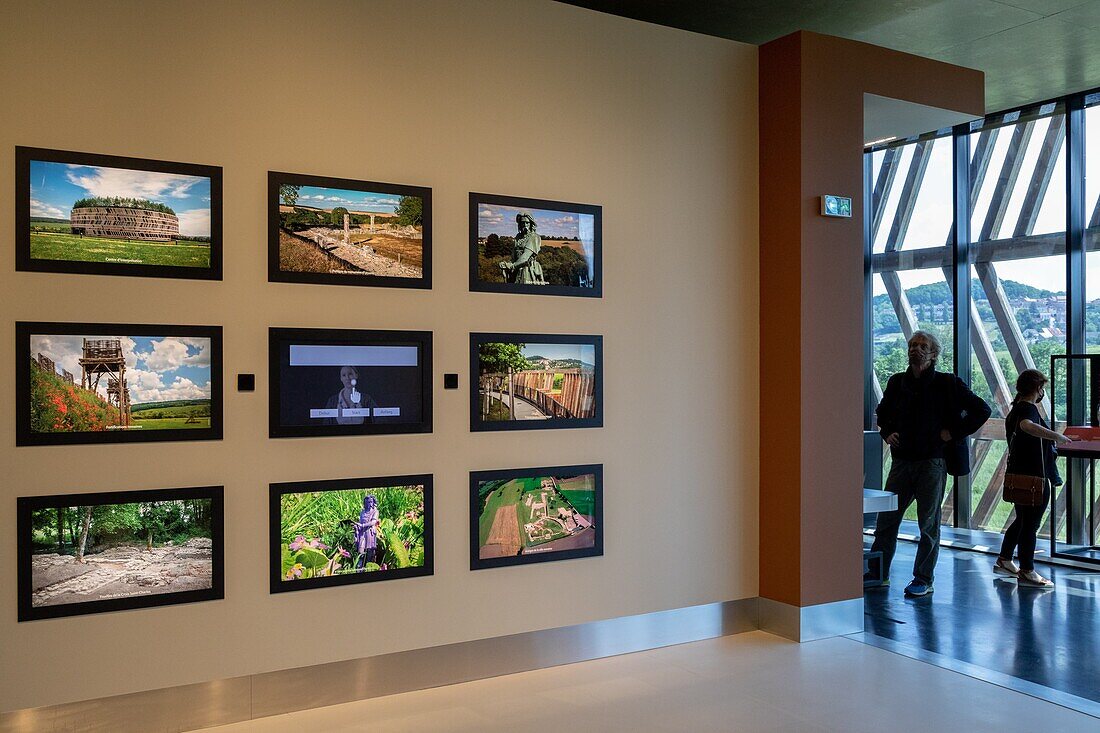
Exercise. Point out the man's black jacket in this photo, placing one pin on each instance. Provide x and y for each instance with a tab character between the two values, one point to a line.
917	408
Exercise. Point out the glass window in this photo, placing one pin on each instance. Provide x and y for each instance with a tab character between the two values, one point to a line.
911	227
1018	271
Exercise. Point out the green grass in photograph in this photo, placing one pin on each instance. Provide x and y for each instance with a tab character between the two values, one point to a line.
56	227
507	494
583	501
171	423
182	253
498	410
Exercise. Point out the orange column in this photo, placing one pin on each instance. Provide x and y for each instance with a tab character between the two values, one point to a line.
811	314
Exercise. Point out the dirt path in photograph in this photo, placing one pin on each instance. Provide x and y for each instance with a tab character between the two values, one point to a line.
120	572
503	540
361	258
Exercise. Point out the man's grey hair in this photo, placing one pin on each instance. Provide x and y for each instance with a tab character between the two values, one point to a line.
930	338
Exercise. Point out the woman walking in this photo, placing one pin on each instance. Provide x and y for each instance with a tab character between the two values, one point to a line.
1031	453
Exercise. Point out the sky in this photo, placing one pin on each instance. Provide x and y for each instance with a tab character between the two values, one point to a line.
501	220
931	221
55	186
586	353
157	368
330	198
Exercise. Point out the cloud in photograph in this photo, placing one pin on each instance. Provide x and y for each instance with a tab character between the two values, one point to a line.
100	181
42	209
145	371
148	387
170	354
194	223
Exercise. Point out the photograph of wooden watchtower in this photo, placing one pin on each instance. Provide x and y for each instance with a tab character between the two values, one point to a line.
125	383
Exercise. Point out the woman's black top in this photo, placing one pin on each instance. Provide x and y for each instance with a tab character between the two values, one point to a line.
1025	450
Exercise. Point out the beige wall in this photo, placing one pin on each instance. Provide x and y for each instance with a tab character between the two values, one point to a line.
532	99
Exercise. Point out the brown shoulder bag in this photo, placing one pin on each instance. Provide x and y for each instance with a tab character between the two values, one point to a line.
1021	488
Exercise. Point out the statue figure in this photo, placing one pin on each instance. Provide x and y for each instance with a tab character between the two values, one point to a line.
366	533
524	269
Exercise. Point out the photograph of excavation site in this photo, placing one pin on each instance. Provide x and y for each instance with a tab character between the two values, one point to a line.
86	553
334	231
536	514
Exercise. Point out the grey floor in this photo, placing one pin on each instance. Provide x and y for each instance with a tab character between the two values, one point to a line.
987	623
752	682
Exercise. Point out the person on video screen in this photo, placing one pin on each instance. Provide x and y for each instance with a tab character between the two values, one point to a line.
350	397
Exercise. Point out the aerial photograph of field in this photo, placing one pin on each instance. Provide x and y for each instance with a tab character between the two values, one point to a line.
565	250
94	553
536	514
98	214
347	232
536	381
96	383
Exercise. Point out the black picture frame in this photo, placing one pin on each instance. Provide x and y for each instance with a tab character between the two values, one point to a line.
339	336
24	262
278	490
275	273
477	477
478	285
24	436
479	425
26	505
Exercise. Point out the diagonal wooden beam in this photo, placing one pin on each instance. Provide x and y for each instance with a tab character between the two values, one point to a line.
991	496
1006	180
891	162
907	201
1040	177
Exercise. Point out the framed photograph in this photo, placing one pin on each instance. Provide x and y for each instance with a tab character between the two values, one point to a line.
525	515
529	381
116	383
535	247
338	231
90	553
355	530
346	382
108	215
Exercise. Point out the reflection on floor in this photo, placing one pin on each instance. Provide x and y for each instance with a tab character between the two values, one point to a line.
1046	637
753	682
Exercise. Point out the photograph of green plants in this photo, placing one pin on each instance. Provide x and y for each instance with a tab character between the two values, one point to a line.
351	531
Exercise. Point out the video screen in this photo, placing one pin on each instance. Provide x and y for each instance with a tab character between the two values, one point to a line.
111	215
103	382
331	383
95	552
534	515
350	531
530	381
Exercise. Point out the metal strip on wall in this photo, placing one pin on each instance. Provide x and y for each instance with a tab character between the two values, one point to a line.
220	702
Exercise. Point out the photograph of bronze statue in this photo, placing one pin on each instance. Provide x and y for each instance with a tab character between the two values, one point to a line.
533	246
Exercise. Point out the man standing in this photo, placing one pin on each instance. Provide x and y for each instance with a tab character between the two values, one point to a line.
922	413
